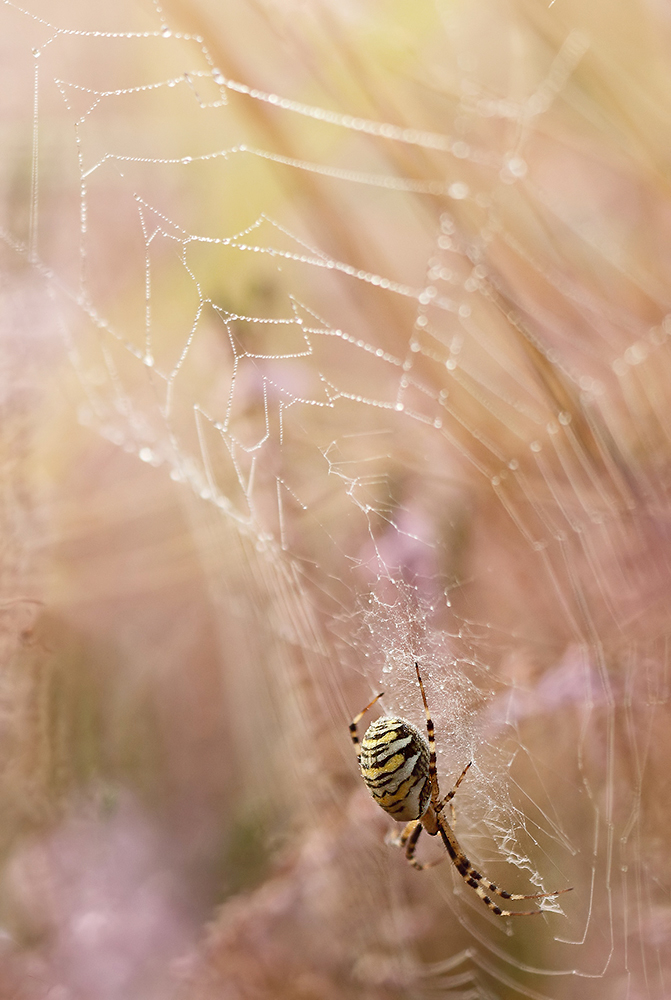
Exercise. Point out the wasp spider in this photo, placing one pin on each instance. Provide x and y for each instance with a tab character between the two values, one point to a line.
399	768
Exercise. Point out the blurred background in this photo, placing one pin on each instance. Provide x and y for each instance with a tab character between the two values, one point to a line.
333	337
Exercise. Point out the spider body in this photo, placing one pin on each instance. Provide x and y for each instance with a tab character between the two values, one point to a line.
398	766
394	762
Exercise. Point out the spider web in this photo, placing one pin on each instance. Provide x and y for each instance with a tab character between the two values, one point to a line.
367	305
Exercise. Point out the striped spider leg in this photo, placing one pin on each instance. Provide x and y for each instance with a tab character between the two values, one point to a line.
410	834
399	768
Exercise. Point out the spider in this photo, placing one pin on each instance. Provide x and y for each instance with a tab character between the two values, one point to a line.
399	769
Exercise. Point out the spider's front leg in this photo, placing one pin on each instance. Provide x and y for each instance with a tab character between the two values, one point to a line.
354	724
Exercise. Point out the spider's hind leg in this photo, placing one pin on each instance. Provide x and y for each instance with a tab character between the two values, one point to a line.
408	839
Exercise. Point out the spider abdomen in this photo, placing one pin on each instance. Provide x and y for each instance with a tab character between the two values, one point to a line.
394	762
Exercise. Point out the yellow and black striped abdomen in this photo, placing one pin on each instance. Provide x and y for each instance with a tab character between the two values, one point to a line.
394	762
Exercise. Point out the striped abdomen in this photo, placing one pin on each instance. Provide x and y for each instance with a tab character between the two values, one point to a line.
394	762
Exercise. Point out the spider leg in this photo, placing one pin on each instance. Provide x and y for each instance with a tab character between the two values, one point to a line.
450	795
408	839
480	883
431	733
354	735
400	839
